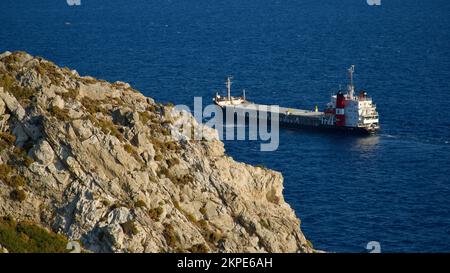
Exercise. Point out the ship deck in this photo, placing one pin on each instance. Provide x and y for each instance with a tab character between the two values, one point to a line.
281	110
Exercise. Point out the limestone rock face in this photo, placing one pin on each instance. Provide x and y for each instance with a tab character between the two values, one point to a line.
43	152
13	105
103	165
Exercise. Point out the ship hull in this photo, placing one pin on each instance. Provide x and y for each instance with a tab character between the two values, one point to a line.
328	128
311	123
333	128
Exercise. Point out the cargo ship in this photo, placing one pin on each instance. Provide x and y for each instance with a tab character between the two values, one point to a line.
344	112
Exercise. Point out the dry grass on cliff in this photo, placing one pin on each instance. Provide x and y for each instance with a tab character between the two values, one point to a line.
49	69
9	83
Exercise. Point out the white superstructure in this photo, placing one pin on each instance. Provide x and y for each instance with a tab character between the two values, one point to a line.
357	111
229	100
344	111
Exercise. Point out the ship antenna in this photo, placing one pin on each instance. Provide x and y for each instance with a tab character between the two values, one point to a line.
229	87
243	94
351	88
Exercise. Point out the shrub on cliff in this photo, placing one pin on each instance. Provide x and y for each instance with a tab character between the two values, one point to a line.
8	138
155	213
171	237
9	83
50	70
25	237
199	248
61	114
5	171
18	195
129	228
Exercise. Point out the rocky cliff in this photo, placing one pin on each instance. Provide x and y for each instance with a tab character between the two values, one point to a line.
97	162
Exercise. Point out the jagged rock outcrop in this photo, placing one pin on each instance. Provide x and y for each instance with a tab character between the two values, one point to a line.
98	162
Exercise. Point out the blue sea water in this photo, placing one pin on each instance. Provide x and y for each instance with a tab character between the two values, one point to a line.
393	188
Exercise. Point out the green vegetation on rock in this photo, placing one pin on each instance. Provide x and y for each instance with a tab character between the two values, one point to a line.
129	228
18	195
23	237
10	84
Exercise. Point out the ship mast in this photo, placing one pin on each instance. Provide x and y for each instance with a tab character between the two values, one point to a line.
351	88
229	88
